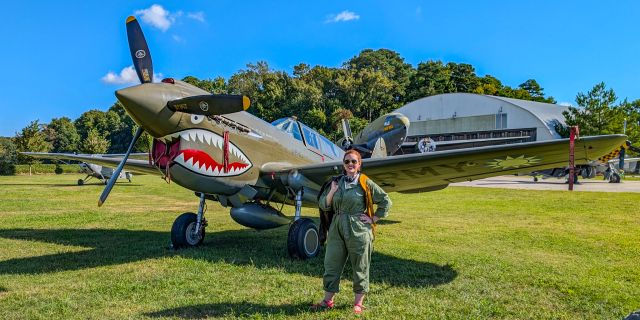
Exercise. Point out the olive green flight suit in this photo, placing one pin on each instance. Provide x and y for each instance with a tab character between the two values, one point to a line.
348	236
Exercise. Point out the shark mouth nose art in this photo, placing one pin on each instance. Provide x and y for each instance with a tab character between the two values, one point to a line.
199	150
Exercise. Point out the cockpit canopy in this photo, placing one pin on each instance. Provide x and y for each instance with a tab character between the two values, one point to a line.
311	138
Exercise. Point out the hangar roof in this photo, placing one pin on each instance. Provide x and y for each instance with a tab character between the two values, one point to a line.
546	112
442	106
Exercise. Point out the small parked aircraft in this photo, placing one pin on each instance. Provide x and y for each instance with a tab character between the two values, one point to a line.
608	165
100	172
208	143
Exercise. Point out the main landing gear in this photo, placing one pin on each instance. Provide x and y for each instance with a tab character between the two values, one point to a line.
303	239
188	229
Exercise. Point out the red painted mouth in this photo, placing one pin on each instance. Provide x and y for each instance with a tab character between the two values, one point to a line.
209	163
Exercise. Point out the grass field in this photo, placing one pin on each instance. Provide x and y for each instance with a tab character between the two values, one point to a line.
459	253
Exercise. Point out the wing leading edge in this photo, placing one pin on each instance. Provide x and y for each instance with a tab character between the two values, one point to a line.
433	171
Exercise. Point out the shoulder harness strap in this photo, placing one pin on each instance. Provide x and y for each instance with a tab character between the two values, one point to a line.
368	198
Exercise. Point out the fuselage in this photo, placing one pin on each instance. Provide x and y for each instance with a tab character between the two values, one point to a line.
191	148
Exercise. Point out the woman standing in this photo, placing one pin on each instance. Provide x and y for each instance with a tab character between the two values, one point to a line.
351	232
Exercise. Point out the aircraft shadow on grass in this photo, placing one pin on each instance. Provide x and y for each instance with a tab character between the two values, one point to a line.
238	310
57	185
262	249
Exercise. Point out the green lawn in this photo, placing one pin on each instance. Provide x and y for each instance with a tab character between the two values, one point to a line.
459	253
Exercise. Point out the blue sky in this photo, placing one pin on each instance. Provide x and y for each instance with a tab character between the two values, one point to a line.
61	58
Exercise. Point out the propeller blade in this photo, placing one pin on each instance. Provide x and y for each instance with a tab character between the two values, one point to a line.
210	104
139	51
116	173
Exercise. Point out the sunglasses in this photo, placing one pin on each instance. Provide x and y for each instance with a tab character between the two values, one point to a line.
347	161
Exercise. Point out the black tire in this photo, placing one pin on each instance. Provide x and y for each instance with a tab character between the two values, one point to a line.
535	179
181	231
303	240
614	178
80	182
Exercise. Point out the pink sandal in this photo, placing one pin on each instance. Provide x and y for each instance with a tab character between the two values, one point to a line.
322	305
358	308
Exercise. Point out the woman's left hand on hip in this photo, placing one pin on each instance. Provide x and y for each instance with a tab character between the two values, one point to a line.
365	218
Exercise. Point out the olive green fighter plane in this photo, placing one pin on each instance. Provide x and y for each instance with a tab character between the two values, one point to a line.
210	145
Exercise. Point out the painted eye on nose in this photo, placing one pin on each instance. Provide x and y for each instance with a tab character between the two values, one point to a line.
196	118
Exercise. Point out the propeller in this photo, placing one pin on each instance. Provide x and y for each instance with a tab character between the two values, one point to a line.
116	173
139	51
210	104
144	68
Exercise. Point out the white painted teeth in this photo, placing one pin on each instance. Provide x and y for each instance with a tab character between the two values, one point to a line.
169	138
211	139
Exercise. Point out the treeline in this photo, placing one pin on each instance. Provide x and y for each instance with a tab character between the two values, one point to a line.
366	86
600	112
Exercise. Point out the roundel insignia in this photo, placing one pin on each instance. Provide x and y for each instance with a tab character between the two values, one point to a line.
204	106
140	54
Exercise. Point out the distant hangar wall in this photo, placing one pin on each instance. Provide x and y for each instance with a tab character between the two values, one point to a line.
467	116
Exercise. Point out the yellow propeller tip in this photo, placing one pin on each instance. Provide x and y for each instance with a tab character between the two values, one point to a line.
130	18
100	203
246	103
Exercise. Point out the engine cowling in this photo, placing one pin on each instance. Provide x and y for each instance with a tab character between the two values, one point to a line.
258	216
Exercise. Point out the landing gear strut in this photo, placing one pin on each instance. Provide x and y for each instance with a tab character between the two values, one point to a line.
188	229
303	240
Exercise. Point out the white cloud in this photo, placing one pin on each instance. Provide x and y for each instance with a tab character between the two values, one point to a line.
127	76
566	104
199	16
343	17
158	17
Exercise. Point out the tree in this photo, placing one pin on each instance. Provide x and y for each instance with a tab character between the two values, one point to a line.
8	156
391	66
267	89
631	111
31	138
217	85
489	85
94	142
463	76
105	123
62	135
597	113
536	93
431	78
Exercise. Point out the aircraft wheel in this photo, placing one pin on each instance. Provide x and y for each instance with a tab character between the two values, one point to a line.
303	240
80	182
535	179
614	178
183	233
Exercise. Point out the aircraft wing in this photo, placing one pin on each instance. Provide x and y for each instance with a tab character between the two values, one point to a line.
132	165
435	170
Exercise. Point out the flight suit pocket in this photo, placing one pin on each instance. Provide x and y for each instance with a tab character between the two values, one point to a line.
362	231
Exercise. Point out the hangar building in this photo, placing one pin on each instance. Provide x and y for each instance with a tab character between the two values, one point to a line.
463	120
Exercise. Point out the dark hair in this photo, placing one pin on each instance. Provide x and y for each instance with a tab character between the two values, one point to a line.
355	154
